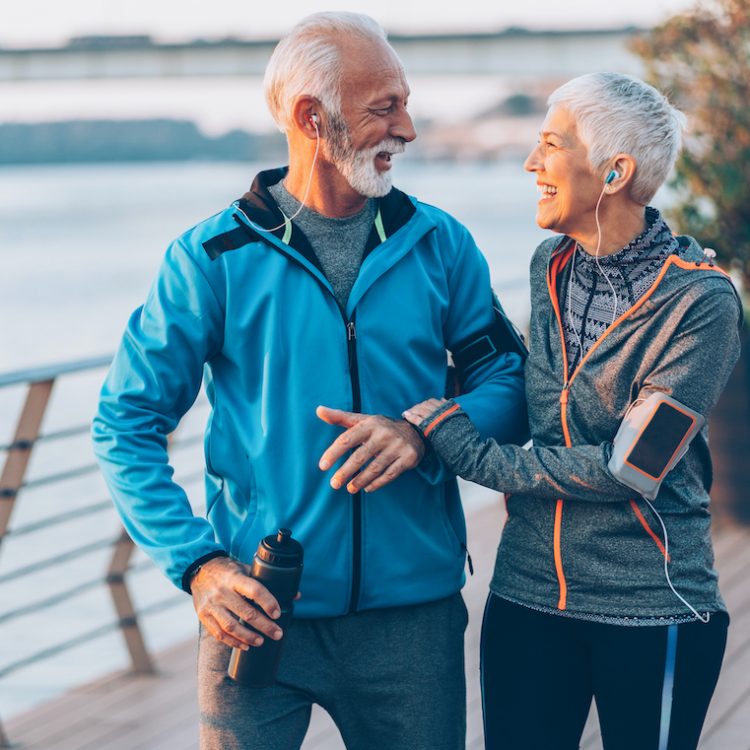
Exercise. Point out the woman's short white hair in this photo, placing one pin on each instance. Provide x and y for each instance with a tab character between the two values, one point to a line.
617	113
308	61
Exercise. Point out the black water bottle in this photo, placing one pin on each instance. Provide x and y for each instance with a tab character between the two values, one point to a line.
277	564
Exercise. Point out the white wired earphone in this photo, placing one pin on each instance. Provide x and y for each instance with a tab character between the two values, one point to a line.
313	120
613	175
705	618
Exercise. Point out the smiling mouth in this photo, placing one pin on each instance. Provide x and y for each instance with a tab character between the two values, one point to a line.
546	192
384	159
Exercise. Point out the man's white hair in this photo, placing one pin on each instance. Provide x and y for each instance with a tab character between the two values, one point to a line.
617	113
308	61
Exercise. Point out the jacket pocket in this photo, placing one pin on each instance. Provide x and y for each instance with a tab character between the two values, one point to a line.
647	528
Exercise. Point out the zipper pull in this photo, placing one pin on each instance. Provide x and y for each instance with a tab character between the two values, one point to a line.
468	559
351	338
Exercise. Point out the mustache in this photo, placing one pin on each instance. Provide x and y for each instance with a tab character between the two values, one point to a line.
391	145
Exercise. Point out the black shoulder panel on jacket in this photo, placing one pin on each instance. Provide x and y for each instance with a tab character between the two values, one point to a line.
230	240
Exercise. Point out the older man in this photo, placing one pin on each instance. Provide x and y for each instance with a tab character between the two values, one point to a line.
322	285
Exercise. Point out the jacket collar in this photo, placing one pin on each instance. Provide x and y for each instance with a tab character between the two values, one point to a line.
258	214
394	211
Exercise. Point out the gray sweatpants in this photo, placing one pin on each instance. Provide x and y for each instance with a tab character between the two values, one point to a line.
391	679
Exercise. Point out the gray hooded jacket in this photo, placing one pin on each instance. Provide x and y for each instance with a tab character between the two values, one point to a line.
577	540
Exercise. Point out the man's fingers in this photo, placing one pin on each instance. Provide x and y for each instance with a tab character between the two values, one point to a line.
254	617
383	442
353	437
385	467
258	593
384	472
351	466
224	594
392	472
214	627
339	416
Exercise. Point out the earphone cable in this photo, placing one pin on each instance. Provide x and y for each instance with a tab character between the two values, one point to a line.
703	618
598	248
307	190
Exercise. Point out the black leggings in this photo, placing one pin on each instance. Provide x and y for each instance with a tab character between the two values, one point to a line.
540	672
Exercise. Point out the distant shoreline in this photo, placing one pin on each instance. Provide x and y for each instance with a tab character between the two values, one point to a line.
505	128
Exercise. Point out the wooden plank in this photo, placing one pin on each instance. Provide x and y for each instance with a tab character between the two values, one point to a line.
725	536
146	723
731	701
124	711
733	566
122	689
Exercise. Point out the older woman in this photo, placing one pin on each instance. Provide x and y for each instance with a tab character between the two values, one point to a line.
598	592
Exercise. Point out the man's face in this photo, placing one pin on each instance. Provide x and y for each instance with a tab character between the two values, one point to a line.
373	124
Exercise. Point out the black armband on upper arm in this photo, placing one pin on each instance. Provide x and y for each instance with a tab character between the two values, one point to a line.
500	337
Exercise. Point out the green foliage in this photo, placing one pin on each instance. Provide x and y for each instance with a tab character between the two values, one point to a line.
701	60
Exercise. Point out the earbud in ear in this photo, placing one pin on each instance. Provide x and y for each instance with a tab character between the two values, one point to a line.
313	119
613	175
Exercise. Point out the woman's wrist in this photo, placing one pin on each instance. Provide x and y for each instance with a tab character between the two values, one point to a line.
437	418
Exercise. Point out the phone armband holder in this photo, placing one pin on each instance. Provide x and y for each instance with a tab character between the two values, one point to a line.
653	436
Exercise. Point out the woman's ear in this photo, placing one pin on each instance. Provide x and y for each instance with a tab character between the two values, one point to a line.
620	174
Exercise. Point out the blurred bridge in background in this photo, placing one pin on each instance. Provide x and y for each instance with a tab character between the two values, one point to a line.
517	52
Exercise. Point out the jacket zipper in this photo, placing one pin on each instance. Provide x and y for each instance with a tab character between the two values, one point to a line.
567	382
351	338
557	526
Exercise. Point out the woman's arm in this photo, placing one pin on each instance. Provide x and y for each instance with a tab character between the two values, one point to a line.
578	473
694	370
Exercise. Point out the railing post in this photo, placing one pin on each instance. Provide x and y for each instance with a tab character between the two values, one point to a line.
139	656
19	452
118	589
17	461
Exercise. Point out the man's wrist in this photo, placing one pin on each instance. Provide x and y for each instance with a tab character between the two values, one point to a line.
189	575
426	447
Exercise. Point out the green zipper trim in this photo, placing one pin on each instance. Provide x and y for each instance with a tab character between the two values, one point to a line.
288	229
379	228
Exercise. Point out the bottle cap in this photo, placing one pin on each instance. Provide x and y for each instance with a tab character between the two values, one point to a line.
280	549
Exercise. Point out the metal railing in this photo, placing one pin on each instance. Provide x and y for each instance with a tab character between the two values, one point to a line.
27	438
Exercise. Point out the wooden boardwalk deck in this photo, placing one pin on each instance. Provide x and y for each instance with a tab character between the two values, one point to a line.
126	712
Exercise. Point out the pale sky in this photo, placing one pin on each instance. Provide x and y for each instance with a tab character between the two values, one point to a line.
51	22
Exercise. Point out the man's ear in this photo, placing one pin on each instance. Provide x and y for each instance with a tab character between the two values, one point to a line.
306	116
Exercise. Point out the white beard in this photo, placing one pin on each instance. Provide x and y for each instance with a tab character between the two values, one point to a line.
358	167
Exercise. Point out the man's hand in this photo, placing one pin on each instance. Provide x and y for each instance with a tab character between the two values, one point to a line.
220	590
390	445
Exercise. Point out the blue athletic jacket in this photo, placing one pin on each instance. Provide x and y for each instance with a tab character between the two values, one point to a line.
250	313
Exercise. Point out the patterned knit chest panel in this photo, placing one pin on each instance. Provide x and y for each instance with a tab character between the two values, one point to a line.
589	306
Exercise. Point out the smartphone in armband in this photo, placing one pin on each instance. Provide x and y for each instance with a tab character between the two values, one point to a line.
652	438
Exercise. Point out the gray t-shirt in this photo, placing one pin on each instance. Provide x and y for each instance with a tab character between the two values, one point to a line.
339	244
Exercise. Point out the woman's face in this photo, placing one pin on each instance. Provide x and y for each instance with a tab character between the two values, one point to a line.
569	189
